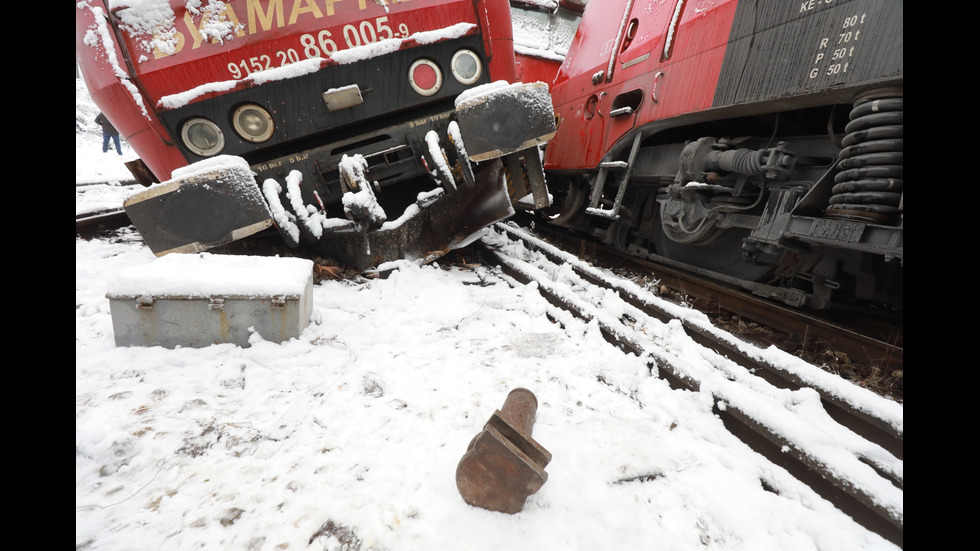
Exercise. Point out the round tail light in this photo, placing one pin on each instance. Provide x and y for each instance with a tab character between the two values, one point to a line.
202	137
253	123
467	67
425	77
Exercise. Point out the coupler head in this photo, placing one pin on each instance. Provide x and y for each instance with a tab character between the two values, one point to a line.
503	465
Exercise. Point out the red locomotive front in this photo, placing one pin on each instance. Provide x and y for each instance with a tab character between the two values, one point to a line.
321	101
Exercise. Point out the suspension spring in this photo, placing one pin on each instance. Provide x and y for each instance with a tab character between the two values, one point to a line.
869	186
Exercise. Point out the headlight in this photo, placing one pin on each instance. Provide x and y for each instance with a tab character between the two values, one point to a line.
202	137
253	123
425	77
467	67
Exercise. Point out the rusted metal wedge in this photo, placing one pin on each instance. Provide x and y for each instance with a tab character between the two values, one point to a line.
503	465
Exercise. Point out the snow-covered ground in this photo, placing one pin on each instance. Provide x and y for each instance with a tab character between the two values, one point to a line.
348	437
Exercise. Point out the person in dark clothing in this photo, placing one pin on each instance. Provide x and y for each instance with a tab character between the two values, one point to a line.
109	132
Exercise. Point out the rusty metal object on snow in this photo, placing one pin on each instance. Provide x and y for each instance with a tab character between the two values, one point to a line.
503	464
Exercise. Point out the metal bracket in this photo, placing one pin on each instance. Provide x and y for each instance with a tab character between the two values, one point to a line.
613	213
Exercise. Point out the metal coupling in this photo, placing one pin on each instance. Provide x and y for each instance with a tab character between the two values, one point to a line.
503	465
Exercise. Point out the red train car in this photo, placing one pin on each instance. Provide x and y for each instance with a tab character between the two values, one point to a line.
759	142
365	130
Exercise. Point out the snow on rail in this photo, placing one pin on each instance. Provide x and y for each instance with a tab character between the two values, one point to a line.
861	399
795	416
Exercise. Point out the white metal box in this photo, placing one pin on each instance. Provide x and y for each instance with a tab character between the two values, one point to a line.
196	300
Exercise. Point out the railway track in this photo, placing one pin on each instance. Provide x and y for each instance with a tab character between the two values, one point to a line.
90	223
864	338
850	453
94	210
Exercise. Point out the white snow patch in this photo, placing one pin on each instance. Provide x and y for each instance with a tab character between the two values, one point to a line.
283	218
363	200
311	218
204	166
206	274
442	171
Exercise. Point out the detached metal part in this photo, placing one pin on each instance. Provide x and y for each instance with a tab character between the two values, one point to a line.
434	229
218	207
503	465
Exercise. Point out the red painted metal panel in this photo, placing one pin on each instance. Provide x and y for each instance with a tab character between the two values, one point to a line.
672	58
543	32
498	37
535	69
113	87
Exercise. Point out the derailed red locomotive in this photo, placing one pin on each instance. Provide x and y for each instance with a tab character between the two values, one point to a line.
758	142
366	130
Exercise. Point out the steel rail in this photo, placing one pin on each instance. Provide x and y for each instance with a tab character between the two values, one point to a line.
874	343
88	224
864	481
862	420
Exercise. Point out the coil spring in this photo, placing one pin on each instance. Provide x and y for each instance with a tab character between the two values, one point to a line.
869	186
